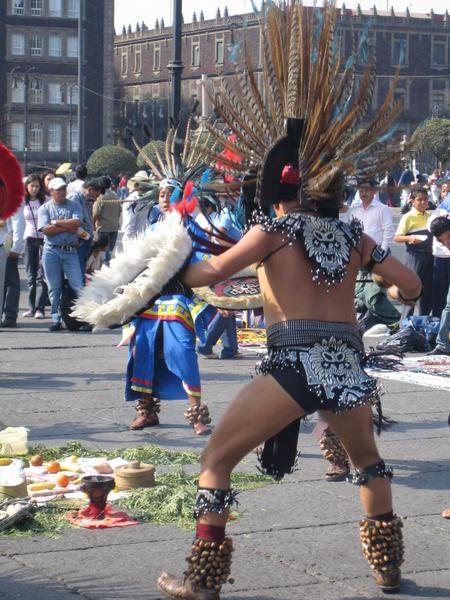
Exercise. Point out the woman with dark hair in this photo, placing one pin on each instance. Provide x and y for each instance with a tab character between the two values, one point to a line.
34	240
46	177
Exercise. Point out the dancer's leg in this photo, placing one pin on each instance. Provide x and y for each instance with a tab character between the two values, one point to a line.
355	430
381	531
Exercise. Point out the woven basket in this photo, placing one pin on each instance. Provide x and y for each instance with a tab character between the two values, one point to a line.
25	511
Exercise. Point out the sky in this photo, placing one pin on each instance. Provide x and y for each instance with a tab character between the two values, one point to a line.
131	11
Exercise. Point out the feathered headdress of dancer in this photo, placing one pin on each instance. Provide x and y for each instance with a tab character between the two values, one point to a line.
310	110
181	160
11	185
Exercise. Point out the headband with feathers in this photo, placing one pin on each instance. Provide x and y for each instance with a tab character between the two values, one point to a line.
305	85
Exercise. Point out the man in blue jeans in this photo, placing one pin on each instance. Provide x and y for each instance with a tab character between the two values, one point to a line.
440	228
59	221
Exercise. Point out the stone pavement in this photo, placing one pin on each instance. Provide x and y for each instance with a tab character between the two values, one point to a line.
296	539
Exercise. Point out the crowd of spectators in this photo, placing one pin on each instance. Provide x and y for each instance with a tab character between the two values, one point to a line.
65	230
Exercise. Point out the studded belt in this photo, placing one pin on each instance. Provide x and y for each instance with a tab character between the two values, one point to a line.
301	332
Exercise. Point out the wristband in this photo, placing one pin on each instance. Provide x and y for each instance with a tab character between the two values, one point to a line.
410	299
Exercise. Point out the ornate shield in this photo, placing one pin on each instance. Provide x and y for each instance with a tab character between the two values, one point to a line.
240	292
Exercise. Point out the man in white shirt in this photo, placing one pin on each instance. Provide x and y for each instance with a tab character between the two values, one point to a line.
75	186
10	289
441	268
375	216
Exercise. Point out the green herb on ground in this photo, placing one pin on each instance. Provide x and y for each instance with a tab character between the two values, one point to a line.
148	454
170	502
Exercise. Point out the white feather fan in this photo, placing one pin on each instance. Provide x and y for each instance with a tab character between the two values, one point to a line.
120	290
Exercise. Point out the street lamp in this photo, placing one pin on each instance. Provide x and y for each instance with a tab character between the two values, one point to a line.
176	65
67	92
25	75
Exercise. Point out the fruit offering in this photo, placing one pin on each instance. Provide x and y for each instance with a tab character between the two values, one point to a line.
53	467
36	460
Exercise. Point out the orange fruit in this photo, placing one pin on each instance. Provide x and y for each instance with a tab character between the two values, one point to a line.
53	467
62	480
36	460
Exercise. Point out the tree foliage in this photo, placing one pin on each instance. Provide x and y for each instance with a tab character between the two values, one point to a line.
434	135
112	161
149	150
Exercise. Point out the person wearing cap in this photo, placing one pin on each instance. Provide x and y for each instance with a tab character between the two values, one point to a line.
132	224
59	220
375	216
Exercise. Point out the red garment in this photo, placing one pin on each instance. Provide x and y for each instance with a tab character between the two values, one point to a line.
87	518
123	182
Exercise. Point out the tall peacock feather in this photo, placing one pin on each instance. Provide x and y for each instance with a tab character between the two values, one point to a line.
181	159
304	82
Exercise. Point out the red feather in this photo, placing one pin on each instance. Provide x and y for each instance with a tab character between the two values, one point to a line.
12	190
188	203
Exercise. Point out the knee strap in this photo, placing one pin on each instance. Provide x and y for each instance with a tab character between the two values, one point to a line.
363	476
213	500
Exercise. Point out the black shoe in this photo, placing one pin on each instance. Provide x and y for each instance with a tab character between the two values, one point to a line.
438	352
55	327
8	323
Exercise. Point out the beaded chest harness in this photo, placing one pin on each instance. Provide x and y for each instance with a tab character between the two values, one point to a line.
328	242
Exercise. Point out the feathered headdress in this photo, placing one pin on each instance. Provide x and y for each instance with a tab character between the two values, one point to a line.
181	160
11	185
304	84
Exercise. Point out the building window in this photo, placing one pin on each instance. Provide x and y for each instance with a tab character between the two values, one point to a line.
54	137
36	8
72	47
72	137
17	90
157	59
18	44
399	49
124	64
17	136
137	61
36	91
73	9
439	51
72	95
136	93
55	95
439	96
54	45
18	7
219	52
195	55
54	8
36	45
36	137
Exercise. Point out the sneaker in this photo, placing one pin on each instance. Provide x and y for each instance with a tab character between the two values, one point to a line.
8	322
438	352
55	327
28	313
39	314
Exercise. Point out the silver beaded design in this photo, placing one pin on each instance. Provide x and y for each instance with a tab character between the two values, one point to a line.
363	476
213	500
331	363
327	241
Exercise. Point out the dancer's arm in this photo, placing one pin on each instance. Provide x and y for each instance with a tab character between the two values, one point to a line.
250	249
404	283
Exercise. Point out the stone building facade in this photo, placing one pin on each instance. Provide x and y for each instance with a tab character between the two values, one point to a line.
39	59
415	45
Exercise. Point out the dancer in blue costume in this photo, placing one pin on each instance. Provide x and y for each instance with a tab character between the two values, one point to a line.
162	363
